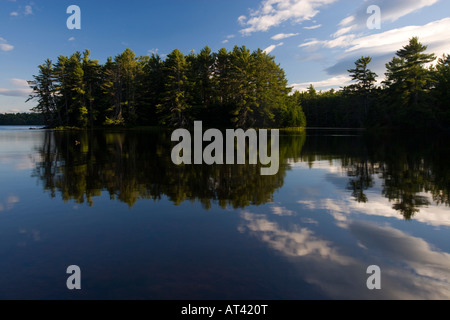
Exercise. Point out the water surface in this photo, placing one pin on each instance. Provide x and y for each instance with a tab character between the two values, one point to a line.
140	227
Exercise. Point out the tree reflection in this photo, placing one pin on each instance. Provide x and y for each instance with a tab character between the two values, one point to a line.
136	164
409	166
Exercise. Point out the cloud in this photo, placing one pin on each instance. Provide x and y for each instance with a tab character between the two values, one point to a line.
21	89
431	34
11	201
269	49
19	82
380	46
298	242
390	11
26	11
15	92
282	36
281	211
426	264
71	39
341	80
155	51
313	27
4	46
225	41
241	20
272	13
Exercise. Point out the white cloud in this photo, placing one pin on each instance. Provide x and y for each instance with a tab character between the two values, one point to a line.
390	12
313	27
19	82
241	20
21	89
341	80
269	49
433	34
282	36
11	201
298	242
272	13
311	43
15	92
425	264
347	21
281	211
4	46
380	46
14	14
71	39
225	41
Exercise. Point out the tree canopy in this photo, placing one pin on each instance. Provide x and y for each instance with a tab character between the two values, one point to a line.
413	95
237	88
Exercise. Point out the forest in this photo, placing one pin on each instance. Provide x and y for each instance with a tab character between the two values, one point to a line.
239	88
20	119
415	94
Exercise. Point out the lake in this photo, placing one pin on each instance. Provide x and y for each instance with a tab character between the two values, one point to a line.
140	227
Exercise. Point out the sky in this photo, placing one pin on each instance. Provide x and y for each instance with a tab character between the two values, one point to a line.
314	41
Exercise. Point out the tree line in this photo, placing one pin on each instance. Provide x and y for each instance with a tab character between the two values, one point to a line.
235	88
414	94
20	119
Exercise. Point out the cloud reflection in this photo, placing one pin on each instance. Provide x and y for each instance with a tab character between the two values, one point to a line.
411	267
10	202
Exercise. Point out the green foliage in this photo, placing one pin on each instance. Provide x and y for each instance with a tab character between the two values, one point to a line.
238	88
413	95
21	119
408	84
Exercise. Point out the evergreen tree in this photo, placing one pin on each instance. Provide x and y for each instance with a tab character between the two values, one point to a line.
174	109
44	90
408	82
442	90
243	87
365	80
91	80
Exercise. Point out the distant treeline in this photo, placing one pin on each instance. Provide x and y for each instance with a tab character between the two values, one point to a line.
20	119
238	88
415	94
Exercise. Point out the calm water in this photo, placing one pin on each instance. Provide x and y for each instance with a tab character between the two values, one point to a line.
140	227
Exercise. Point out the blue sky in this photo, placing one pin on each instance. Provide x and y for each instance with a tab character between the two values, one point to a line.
314	41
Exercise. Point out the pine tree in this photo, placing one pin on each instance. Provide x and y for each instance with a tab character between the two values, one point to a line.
44	91
365	80
91	81
442	90
174	109
243	87
408	81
